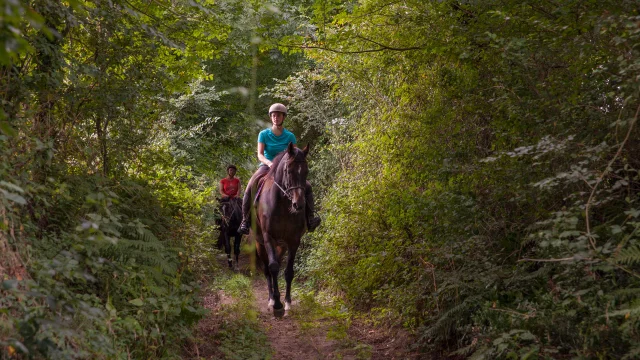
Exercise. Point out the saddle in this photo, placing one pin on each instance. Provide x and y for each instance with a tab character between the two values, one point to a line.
260	183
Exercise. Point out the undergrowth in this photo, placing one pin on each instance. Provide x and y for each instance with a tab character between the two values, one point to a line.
107	277
240	335
319	313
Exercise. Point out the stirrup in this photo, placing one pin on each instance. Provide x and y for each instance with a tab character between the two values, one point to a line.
244	228
313	223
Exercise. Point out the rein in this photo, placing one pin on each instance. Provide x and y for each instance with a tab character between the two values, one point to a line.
235	207
286	192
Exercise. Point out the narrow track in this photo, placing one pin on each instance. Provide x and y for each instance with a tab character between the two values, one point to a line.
301	334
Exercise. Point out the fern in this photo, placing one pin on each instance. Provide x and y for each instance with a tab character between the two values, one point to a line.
634	353
136	242
628	256
628	312
450	317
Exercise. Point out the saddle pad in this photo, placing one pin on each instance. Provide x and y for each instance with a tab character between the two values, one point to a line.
260	185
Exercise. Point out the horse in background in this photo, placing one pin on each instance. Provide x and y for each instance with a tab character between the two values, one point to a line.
280	219
231	216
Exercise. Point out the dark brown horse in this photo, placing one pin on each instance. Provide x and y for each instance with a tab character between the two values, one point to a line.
280	219
231	215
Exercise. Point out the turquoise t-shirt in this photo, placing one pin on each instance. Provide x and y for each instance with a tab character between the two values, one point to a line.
275	144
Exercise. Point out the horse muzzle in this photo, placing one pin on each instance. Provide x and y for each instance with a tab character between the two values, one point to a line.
297	201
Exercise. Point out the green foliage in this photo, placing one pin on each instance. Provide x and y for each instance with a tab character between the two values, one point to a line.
113	285
476	164
241	336
116	119
103	220
489	190
327	316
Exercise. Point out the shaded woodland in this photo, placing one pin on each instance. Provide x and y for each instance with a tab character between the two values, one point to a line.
476	165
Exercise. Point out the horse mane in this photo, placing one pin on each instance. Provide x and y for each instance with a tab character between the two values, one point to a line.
275	162
273	170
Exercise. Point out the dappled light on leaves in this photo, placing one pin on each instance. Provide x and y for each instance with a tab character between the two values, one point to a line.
475	165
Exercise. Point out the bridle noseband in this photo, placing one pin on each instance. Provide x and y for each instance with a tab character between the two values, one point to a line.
234	207
287	191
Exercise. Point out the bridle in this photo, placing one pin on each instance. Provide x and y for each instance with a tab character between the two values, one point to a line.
235	208
288	189
286	192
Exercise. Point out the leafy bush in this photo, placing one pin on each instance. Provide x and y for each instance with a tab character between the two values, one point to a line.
114	284
491	193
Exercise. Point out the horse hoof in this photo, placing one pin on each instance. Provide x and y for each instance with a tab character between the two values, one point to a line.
278	313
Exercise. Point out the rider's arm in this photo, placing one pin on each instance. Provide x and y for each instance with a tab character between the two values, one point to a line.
261	157
220	189
239	191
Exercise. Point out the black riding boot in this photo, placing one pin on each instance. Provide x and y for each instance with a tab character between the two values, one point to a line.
312	221
245	225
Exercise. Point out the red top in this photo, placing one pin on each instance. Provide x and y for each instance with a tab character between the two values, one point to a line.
230	186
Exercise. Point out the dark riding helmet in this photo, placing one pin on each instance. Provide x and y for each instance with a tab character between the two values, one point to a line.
231	166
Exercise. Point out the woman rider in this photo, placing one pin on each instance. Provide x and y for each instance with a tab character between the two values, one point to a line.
230	186
272	141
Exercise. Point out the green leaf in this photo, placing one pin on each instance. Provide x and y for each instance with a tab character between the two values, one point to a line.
527	336
136	302
11	186
13	197
9	284
7	129
616	229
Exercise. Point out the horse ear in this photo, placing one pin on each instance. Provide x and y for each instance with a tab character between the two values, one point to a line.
306	150
291	150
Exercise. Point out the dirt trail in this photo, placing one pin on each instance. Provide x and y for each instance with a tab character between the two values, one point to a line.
287	338
295	336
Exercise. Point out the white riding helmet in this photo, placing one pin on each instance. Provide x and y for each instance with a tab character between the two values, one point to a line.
277	107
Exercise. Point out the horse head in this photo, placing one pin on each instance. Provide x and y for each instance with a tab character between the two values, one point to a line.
231	213
291	175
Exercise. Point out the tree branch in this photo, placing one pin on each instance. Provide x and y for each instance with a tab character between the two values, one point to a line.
381	48
389	47
553	260
592	240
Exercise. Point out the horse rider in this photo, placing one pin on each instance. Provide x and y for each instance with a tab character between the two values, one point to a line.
230	186
272	141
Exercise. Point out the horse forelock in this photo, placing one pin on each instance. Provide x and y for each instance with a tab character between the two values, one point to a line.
300	156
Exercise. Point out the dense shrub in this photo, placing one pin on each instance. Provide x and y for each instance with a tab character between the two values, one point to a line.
490	202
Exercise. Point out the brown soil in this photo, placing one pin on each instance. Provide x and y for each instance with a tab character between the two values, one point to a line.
289	340
386	343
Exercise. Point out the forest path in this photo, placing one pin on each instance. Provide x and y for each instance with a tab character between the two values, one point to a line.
288	336
239	325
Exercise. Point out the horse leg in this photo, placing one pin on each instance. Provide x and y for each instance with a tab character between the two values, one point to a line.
288	277
236	247
262	255
274	268
227	248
